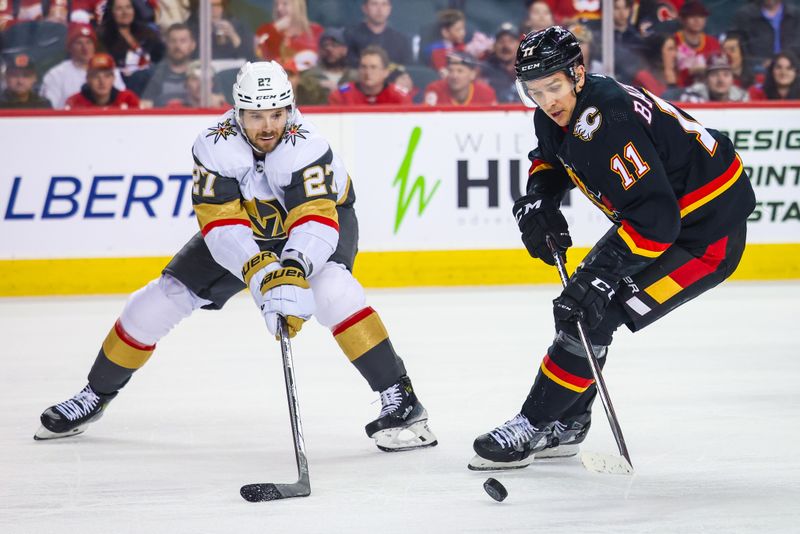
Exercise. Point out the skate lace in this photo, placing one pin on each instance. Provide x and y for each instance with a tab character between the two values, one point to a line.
559	428
391	398
514	432
79	405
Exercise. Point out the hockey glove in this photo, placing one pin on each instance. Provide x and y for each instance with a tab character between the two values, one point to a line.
538	216
586	297
286	292
279	290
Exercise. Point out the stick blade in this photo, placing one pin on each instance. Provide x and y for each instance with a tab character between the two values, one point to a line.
606	463
273	492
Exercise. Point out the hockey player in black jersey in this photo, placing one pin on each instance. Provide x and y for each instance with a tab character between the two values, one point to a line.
275	207
678	198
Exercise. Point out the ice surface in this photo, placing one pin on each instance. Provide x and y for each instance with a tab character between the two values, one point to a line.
707	398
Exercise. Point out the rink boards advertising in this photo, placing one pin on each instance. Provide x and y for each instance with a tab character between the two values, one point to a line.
97	204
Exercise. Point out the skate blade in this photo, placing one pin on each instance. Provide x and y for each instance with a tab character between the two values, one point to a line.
415	436
479	463
606	463
561	451
44	434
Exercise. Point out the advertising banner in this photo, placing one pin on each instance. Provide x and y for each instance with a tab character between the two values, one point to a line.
118	186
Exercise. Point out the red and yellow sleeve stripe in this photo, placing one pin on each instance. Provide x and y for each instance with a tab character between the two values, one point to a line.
564	378
538	165
699	197
321	210
210	216
638	243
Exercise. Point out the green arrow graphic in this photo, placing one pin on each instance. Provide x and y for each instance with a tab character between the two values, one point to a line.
418	188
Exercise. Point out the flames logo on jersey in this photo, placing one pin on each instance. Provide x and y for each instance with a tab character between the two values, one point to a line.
596	197
293	132
588	123
222	130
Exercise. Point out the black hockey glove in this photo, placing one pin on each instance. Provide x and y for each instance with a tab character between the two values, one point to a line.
586	297
538	216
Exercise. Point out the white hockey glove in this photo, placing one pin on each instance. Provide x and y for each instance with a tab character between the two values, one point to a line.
279	290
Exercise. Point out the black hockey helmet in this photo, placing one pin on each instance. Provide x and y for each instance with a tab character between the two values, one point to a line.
546	52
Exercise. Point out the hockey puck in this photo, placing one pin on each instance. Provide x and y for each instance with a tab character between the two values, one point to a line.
495	489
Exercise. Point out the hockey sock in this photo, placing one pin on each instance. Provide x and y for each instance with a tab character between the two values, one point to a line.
119	356
563	378
364	340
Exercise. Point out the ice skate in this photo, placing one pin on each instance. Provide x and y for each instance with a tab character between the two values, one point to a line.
403	421
512	445
73	416
566	437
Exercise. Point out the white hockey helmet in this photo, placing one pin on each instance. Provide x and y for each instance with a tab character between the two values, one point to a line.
262	85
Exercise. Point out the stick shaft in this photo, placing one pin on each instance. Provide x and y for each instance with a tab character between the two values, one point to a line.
602	390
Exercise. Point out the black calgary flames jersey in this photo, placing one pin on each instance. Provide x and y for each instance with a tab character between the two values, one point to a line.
657	173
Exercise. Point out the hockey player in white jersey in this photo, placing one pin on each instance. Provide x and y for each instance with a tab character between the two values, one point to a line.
275	210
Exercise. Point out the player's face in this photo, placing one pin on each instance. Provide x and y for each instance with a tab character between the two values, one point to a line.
555	94
264	127
100	82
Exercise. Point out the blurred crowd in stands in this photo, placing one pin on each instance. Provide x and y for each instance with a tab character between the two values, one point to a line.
72	54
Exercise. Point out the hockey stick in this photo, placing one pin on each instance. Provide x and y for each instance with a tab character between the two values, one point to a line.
302	488
600	463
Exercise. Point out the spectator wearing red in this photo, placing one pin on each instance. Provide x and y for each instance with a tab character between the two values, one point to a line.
375	30
20	79
452	25
695	46
60	11
99	91
781	81
67	78
289	33
130	41
768	27
372	86
460	87
659	74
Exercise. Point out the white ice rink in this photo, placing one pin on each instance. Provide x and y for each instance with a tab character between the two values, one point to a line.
707	397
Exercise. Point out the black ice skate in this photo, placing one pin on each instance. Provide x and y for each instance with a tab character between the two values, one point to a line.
403	421
512	445
73	416
566	437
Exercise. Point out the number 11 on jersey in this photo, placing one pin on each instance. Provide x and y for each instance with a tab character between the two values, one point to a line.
640	166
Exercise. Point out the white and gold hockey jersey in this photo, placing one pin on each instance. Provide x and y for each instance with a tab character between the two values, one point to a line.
291	194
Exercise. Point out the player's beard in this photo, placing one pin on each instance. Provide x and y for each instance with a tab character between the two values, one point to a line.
266	146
